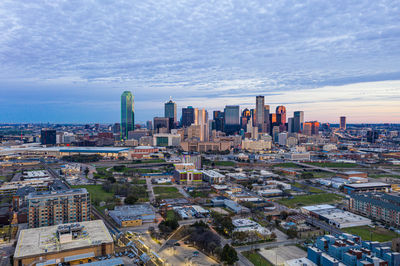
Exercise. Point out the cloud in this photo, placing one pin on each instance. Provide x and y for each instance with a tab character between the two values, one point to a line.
70	50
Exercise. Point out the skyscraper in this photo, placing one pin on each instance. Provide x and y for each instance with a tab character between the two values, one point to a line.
218	118
127	114
188	116
246	116
281	114
343	123
231	123
266	125
170	112
260	112
48	137
298	120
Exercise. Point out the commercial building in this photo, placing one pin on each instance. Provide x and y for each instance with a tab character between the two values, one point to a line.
163	140
10	188
37	174
246	225
127	114
199	146
347	249
335	217
366	187
132	215
232	121
256	145
170	112
311	128
343	123
161	124
188	177
48	137
213	177
297	156
349	174
67	243
56	207
380	206
298	120
260	112
281	115
143	152
188	116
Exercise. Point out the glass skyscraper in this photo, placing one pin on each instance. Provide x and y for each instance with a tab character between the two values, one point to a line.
127	114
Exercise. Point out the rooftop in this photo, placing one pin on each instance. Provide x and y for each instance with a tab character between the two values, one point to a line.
370	184
57	193
37	241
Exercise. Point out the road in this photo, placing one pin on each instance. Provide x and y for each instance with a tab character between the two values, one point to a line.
315	167
152	198
333	230
268	245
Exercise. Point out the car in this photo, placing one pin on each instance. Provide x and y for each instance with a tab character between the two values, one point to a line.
177	244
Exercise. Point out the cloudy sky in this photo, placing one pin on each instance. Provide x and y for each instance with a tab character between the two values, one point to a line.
69	60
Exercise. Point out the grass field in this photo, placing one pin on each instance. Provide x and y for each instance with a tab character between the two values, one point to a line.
96	192
287	165
256	258
307	188
200	194
305	200
224	163
378	233
335	165
148	161
318	174
167	192
138	181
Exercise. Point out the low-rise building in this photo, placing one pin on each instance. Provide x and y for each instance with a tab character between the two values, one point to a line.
164	139
188	177
256	145
67	243
213	177
366	187
132	215
297	156
246	225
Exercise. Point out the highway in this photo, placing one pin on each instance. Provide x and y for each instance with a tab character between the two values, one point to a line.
315	167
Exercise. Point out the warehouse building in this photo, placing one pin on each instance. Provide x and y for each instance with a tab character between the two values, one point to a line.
68	243
132	215
366	187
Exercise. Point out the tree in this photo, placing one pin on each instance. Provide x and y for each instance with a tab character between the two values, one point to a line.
86	171
291	233
229	255
306	175
130	200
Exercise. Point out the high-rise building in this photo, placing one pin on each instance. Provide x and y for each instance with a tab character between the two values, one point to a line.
311	128
170	112
246	116
188	116
266	124
127	114
281	114
48	137
298	120
116	128
291	125
161	122
149	125
57	207
260	112
342	123
372	136
218	118
231	123
202	121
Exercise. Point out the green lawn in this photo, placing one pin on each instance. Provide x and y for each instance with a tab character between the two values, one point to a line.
167	192
336	165
378	233
224	163
96	192
149	161
200	194
256	258
305	200
307	188
321	174
287	165
139	181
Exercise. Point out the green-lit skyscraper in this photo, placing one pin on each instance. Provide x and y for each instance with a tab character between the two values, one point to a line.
127	114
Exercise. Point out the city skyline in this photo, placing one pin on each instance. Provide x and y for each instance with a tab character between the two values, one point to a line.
65	63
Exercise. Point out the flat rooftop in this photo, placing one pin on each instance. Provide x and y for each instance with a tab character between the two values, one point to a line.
366	185
57	193
318	207
37	241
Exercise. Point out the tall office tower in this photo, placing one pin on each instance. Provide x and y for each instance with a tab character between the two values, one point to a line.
202	121
260	112
253	117
311	128
231	123
275	133
116	128
281	113
343	123
58	207
266	125
298	120
161	124
48	136
149	125
188	116
290	124
219	117
246	116
127	114
170	112
372	136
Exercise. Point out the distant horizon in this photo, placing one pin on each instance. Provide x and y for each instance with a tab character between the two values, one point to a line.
63	61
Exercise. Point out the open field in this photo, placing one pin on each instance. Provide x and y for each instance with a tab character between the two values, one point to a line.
167	192
335	165
320	174
378	233
96	192
224	163
256	258
287	165
307	188
305	200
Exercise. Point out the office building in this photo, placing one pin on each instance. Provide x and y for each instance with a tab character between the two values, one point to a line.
170	113
290	124
188	177
311	128
378	206
298	120
231	123
116	129
213	177
372	136
245	118
149	125
57	207
67	244
218	118
256	145
260	102
127	114
266	124
342	123
165	139
281	114
161	124
48	137
188	116
202	121
132	215
282	138
366	187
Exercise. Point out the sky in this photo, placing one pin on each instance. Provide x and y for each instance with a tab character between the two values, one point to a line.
70	60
